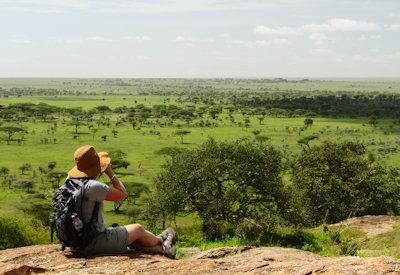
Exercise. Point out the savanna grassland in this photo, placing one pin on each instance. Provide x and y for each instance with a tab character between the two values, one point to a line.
136	119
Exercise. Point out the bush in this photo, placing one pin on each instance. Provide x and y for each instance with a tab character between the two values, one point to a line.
38	206
224	182
335	181
17	232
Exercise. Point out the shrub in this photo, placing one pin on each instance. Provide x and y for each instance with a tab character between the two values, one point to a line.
334	181
17	232
224	182
38	206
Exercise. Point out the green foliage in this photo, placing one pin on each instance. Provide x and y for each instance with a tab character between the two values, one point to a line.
4	171
27	184
16	232
11	130
335	181
25	167
118	159
308	122
182	133
306	140
103	109
348	247
224	182
135	190
38	205
262	138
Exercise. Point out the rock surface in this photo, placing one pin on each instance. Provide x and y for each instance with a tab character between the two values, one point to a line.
228	260
371	225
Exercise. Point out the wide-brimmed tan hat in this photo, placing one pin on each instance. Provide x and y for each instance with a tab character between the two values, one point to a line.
89	163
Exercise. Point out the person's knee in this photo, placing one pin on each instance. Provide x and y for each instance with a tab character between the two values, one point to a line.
135	231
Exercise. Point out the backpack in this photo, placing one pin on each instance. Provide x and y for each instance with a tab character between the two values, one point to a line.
68	222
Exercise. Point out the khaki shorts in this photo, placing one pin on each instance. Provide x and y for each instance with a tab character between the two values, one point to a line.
114	240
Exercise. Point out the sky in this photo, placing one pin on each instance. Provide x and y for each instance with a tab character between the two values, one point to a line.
200	38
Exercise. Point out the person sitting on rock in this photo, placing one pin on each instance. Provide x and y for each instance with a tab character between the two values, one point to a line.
113	240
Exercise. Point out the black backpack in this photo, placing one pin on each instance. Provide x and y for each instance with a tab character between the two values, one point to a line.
68	222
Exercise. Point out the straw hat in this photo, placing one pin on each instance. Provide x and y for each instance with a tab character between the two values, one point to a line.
89	163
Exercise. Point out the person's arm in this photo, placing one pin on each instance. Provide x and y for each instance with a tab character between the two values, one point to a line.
117	191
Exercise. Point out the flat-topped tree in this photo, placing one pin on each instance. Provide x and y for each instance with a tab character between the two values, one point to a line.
76	122
182	133
11	130
103	109
25	167
118	159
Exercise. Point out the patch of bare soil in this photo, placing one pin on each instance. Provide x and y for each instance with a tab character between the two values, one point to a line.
371	225
227	260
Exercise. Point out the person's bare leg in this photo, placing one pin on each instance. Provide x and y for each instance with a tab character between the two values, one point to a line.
143	240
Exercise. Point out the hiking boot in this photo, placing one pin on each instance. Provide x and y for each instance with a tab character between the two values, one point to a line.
169	238
169	251
169	233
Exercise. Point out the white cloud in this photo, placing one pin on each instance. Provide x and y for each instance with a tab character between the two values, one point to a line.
320	51
21	41
250	44
280	41
364	37
185	41
394	15
331	25
393	27
123	6
278	30
143	38
318	38
259	43
98	39
379	58
69	41
393	56
341	24
141	57
225	35
180	39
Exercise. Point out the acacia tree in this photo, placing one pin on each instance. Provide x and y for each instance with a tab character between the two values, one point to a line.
103	109
94	131
118	159
305	141
181	134
27	184
11	130
225	183
25	167
135	190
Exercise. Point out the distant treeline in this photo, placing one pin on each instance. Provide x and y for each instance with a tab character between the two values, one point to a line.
260	101
358	105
